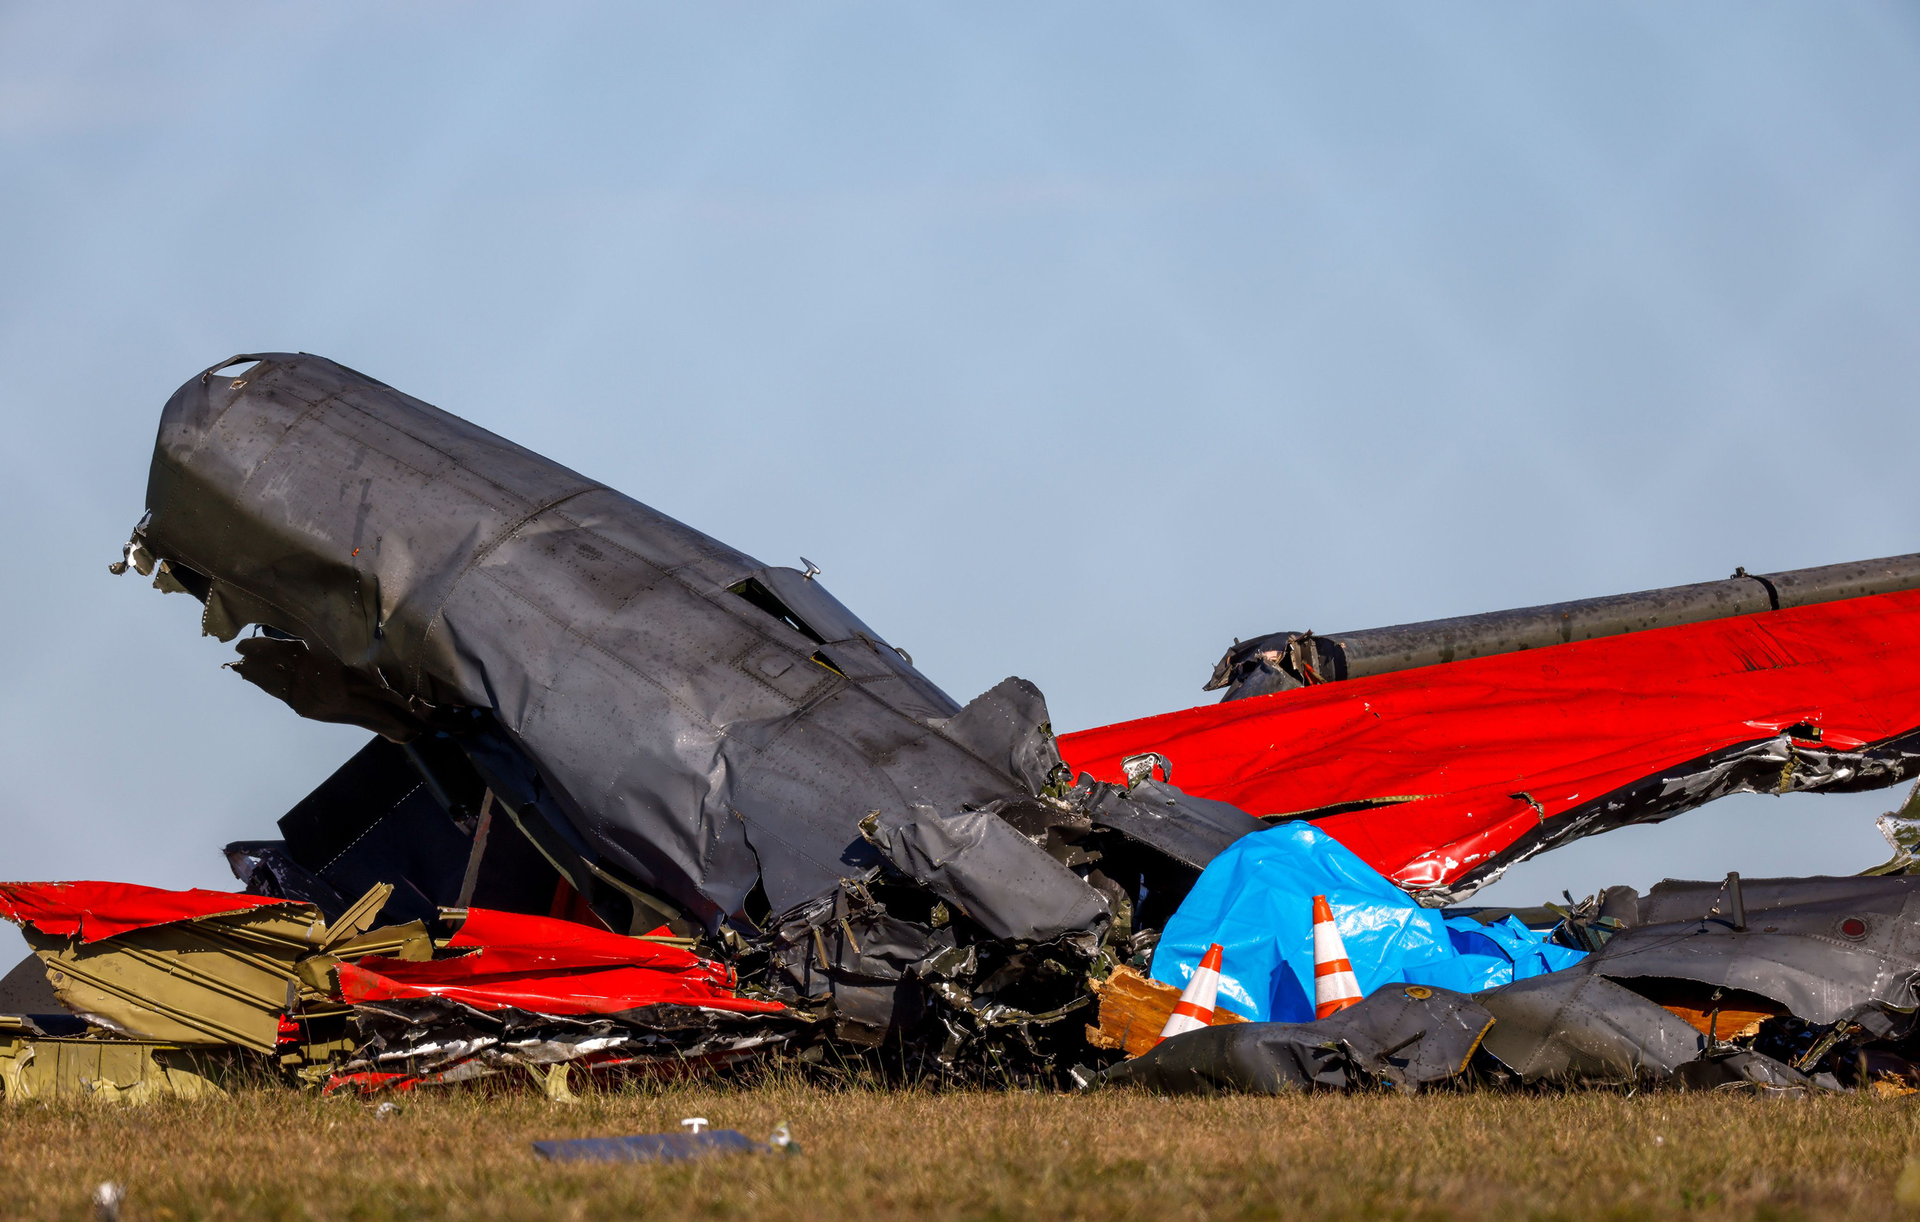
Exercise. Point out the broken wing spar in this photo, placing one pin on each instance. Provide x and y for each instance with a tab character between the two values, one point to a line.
1279	661
1442	775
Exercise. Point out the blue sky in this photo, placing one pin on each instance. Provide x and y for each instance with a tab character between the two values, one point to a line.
1072	340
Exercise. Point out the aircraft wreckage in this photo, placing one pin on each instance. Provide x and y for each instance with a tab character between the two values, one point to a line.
637	803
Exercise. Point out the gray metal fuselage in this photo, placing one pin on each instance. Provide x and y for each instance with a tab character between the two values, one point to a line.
684	720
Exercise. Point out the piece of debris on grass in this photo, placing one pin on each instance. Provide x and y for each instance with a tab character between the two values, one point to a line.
650	1147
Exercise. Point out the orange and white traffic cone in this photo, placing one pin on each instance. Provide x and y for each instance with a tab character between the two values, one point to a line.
1334	985
1195	1007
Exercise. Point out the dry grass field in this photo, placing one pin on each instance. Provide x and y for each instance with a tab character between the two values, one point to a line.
977	1155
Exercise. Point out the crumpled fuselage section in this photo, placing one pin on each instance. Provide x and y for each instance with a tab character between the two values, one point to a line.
692	723
590	710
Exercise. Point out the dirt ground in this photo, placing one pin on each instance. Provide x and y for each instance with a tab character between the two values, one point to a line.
269	1153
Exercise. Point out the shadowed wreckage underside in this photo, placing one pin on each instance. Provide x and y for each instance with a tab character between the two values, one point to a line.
586	712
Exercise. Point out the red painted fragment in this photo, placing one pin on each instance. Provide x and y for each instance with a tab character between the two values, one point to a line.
511	942
96	910
601	991
368	1083
1488	748
551	967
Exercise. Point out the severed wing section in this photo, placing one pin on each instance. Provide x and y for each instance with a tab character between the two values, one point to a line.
1443	772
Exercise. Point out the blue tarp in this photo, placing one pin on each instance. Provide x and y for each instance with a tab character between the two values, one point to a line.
1256	900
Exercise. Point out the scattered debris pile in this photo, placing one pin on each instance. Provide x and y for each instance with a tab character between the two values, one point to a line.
546	995
639	803
182	979
1804	984
1801	984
